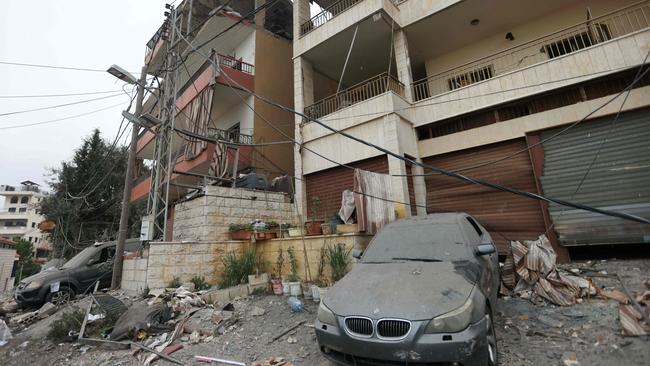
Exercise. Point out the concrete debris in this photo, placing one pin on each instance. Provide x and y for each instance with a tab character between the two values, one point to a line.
550	321
46	310
615	295
141	317
275	361
292	340
5	333
257	311
571	359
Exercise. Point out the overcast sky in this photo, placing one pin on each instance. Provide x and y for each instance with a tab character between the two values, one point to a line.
71	33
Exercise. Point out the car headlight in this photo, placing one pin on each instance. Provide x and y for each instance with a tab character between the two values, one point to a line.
33	285
325	315
453	321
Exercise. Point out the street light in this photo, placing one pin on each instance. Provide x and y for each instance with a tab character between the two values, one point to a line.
122	74
145	120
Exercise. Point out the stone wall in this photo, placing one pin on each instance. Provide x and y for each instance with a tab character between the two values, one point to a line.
134	275
186	260
206	218
269	250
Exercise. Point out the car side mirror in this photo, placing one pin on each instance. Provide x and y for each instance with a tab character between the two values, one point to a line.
485	249
357	253
90	262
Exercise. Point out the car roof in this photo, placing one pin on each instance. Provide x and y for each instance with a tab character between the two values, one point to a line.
436	218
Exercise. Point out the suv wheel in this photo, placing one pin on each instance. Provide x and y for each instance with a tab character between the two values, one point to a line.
61	297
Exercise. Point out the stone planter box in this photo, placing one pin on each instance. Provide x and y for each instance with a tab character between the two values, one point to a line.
241	235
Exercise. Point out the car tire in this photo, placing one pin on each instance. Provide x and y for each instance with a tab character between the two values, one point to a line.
491	339
61	297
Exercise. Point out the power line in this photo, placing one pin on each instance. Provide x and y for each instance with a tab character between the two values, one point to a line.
61	119
59	105
57	95
55	67
427	166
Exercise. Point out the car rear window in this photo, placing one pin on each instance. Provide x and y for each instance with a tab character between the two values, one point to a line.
443	242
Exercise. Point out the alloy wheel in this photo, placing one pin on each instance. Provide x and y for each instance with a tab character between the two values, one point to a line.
60	298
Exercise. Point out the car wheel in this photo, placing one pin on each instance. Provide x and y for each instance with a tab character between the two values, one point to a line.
61	297
491	337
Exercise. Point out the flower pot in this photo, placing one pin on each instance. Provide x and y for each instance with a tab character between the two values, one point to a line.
286	289
294	288
315	293
322	291
277	286
240	235
347	228
265	235
296	231
326	229
313	227
306	291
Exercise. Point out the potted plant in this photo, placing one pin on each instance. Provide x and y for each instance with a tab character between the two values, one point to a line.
313	226
240	231
338	258
284	230
276	280
320	277
295	231
293	279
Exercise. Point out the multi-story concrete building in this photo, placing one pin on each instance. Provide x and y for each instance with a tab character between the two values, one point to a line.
486	88
254	54
19	219
8	260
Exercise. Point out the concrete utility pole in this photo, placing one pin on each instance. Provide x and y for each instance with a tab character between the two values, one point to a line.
128	185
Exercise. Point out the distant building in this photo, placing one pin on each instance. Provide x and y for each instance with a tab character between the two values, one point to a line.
8	259
18	217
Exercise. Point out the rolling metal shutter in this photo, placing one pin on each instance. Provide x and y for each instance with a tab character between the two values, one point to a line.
504	215
619	179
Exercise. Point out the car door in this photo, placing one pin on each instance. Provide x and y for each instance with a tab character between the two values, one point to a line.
488	263
100	269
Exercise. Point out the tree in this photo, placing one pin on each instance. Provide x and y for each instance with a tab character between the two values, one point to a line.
86	196
26	266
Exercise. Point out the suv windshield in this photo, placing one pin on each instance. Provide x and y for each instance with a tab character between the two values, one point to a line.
80	259
426	243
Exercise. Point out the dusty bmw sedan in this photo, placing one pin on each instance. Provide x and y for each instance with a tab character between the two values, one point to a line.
423	293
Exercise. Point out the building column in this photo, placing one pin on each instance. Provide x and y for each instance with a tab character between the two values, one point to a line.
397	167
303	76
419	188
403	62
300	16
260	17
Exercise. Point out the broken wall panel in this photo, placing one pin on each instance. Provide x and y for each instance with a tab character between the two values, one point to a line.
504	214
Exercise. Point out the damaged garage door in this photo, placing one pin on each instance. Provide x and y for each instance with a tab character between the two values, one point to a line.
619	179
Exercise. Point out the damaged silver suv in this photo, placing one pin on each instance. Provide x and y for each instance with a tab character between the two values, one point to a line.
423	293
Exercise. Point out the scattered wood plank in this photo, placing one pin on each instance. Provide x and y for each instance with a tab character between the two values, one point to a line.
286	331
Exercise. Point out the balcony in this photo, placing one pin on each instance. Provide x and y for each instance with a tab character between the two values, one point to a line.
230	136
6	214
364	90
13	230
555	45
235	64
326	15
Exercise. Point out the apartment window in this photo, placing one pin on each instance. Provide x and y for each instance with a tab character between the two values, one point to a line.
12	209
35	240
596	34
30	239
33	224
22	209
24	200
14	199
471	77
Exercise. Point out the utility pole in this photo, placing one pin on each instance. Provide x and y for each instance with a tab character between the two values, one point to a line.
128	185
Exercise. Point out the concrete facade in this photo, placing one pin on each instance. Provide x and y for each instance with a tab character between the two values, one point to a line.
7	260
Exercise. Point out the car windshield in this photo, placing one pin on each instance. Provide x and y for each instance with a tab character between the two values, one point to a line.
80	259
422	243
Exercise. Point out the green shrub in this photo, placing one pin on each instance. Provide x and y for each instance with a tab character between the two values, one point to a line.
69	321
293	266
237	227
175	282
200	283
339	259
238	267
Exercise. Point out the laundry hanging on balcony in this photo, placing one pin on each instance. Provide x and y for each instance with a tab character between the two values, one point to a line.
198	119
373	200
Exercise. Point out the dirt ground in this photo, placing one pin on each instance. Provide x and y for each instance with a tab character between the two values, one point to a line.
528	334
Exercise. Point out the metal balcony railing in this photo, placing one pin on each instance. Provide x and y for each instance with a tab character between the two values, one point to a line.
326	15
162	31
367	89
558	43
232	136
235	64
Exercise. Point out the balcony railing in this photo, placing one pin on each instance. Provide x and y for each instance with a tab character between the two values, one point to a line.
235	64
156	37
357	93
232	136
580	36
326	15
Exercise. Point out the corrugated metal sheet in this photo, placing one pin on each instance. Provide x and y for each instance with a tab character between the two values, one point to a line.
619	179
503	214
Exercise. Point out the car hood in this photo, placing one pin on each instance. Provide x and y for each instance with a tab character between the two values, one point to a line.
46	276
409	290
